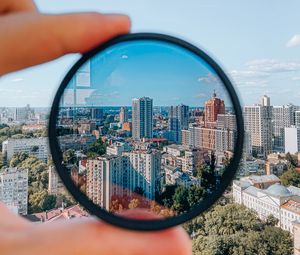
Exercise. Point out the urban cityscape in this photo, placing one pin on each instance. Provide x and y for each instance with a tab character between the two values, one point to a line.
146	156
166	146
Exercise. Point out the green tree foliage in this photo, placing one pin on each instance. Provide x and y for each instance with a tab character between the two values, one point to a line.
234	229
293	160
69	157
97	147
290	177
185	198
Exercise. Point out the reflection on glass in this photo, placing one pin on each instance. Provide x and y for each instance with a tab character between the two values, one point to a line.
146	124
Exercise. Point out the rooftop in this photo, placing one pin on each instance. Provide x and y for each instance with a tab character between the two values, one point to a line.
255	179
278	190
292	206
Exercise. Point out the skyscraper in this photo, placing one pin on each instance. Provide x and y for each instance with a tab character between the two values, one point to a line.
142	118
292	139
258	123
213	107
123	115
283	116
178	120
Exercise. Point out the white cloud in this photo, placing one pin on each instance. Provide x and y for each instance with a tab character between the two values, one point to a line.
272	66
209	78
294	41
17	80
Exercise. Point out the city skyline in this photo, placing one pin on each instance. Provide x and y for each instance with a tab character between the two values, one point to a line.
261	57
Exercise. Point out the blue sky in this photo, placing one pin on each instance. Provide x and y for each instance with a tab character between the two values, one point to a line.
169	74
257	43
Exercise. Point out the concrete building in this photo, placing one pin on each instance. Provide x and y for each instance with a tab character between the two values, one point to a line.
55	185
213	107
292	139
209	138
226	121
297	118
33	146
14	189
123	115
116	177
105	180
296	238
178	120
283	116
258	123
277	200
142	118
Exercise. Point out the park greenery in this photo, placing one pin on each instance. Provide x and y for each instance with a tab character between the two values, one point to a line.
291	177
234	229
38	197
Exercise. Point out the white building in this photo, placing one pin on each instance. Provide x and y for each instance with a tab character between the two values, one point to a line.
292	139
142	118
115	149
226	121
277	200
33	146
14	189
110	176
258	123
283	116
105	179
55	185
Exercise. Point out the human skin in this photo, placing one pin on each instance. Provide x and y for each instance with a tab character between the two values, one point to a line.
29	38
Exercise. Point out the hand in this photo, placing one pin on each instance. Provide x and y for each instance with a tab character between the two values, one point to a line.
30	38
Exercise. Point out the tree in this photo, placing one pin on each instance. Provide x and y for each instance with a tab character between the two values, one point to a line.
97	147
290	177
234	229
69	157
18	158
195	195
292	159
180	201
271	221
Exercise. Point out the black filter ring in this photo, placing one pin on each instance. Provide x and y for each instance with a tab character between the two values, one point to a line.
156	224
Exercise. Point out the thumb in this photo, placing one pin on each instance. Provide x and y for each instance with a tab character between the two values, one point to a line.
31	38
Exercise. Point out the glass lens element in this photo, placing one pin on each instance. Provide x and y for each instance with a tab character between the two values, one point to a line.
146	125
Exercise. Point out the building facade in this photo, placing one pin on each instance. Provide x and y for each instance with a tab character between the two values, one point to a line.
14	189
178	120
33	146
258	123
142	118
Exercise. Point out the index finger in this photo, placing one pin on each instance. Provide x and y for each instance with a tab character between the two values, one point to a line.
29	39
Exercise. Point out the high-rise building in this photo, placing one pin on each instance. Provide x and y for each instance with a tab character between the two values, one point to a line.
283	116
14	189
258	123
265	101
123	115
144	169
213	107
55	185
22	114
111	177
209	138
292	139
105	180
142	118
226	121
34	146
178	120
297	118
